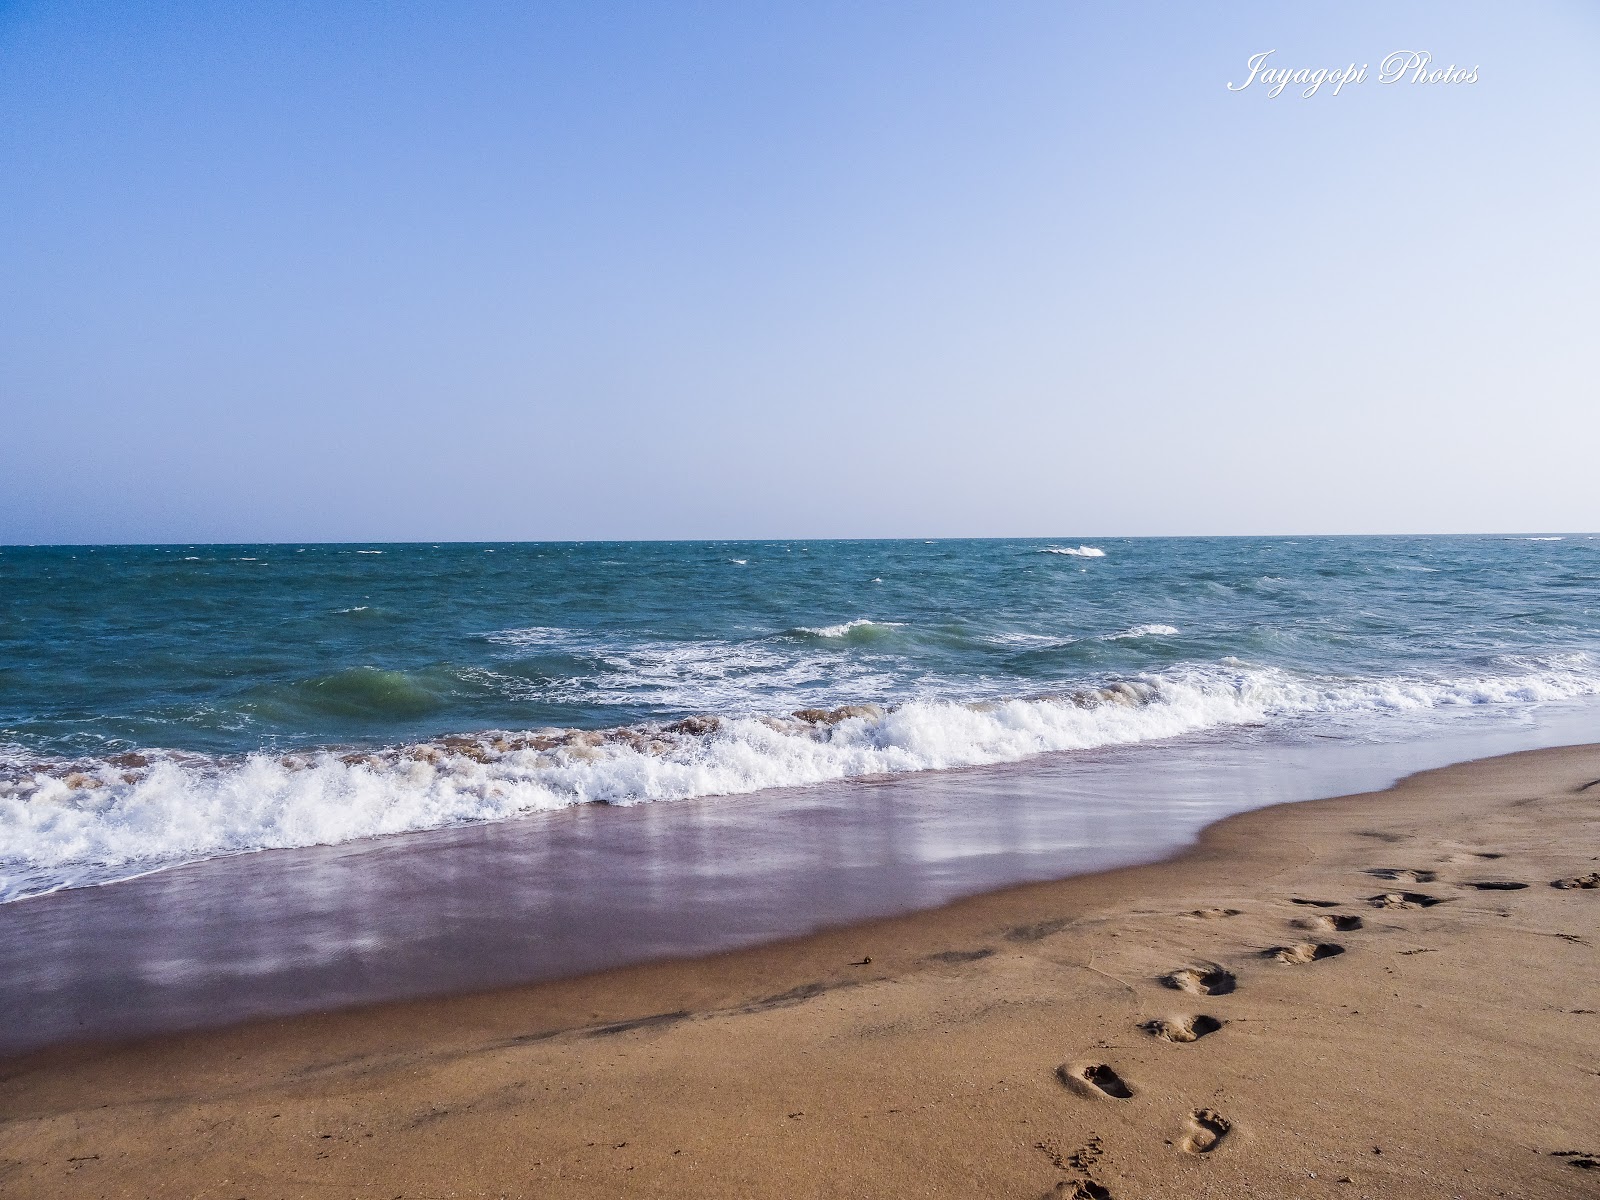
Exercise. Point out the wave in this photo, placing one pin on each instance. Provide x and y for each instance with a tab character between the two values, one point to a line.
848	628
1139	631
360	692
534	635
1075	551
65	823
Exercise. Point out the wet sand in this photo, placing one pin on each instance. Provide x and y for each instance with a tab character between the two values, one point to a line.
590	888
1381	995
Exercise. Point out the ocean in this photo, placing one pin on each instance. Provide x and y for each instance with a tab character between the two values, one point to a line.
166	704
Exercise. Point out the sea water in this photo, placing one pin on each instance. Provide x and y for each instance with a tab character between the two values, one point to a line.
163	704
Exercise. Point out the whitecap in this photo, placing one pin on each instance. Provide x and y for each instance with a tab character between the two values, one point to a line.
844	630
533	635
1075	551
1139	631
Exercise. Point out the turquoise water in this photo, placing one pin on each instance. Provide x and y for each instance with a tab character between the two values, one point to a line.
159	704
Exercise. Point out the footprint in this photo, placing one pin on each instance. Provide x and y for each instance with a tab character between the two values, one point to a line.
1403	900
1207	1128
1181	1029
1036	932
1405	875
1209	980
960	956
1077	1189
1213	914
1314	903
1496	885
1331	923
1303	952
1588	882
1089	1079
1579	1158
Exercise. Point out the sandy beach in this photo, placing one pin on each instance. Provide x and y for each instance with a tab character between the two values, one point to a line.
1384	995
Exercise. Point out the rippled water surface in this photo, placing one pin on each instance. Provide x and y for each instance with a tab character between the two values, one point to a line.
159	704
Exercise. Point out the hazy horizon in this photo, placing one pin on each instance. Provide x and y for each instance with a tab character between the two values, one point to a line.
495	274
1514	534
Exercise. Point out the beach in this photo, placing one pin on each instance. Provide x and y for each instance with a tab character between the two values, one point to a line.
1383	995
722	603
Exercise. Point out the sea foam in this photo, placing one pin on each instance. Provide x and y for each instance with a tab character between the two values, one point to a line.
67	823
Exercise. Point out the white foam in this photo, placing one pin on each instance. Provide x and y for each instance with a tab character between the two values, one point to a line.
533	635
839	631
1030	641
1075	551
60	828
1139	631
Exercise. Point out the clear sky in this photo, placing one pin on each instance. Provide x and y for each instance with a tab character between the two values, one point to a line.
338	271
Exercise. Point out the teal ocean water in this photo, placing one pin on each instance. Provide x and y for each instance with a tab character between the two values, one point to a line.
163	704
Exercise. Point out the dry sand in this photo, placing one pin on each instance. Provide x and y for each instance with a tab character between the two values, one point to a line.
1375	996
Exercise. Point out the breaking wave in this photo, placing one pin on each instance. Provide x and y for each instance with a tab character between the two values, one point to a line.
861	625
65	823
1075	551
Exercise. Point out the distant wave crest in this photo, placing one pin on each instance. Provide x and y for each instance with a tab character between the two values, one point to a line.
847	628
1139	631
1075	551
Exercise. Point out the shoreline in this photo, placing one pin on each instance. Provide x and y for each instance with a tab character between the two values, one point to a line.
981	1047
479	907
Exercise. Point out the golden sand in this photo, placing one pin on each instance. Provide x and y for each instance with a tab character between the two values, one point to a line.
1375	996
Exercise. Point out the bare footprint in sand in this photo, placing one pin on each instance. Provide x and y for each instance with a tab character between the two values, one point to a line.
953	957
1078	1189
1094	1079
1181	1029
1212	914
1587	882
1303	952
1405	874
1403	900
1314	903
1581	1159
1208	980
1330	923
1207	1128
1496	885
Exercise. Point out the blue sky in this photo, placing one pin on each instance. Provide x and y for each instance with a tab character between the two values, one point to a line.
429	271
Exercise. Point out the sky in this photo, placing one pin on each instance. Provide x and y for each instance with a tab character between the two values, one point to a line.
539	271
